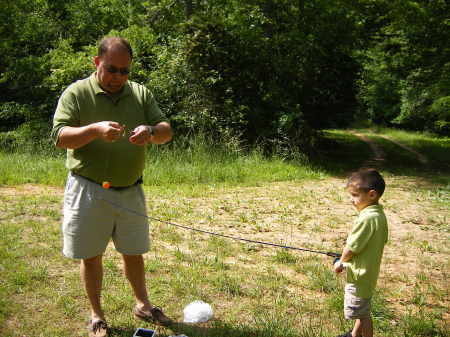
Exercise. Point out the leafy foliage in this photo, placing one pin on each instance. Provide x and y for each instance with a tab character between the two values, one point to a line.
407	70
272	72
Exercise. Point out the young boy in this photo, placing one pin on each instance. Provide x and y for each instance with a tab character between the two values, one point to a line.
363	251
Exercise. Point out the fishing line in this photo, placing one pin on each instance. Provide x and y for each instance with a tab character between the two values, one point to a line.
332	254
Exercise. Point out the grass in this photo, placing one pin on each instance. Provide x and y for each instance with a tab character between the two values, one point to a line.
254	290
436	148
344	152
176	164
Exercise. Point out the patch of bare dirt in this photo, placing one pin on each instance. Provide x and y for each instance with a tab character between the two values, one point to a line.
30	189
379	156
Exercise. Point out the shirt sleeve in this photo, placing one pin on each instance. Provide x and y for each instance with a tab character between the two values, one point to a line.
153	113
359	237
67	114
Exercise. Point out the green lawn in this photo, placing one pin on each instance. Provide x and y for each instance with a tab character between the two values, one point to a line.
254	290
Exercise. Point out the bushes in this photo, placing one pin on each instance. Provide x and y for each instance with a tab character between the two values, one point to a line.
30	137
269	72
67	66
407	68
440	110
12	114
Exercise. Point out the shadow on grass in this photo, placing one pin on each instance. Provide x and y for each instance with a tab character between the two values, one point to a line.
217	328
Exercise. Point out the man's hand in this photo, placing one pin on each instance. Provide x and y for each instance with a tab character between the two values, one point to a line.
71	137
109	131
160	133
141	135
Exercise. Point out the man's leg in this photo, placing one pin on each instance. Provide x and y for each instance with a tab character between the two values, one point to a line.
363	327
91	271
134	271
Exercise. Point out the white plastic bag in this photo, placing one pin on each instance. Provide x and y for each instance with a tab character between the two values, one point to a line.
197	312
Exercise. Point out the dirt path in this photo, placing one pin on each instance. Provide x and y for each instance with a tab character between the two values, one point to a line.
420	156
379	156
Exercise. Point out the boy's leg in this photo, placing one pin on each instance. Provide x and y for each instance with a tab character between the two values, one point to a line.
359	309
363	327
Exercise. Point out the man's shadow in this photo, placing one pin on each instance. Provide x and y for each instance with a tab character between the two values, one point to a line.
215	328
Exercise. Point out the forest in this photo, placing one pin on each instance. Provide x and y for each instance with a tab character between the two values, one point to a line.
270	73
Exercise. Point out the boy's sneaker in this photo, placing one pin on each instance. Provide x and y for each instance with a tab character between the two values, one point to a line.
347	334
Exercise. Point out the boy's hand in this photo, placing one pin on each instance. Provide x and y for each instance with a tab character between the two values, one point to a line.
347	255
338	267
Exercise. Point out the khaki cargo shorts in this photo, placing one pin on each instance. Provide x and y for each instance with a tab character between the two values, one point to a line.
92	218
355	307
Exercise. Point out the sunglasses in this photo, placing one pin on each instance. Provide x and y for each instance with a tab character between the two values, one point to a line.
113	70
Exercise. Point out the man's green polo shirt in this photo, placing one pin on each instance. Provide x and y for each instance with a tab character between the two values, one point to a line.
85	102
366	241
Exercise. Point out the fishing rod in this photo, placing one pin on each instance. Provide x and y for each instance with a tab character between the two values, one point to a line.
331	254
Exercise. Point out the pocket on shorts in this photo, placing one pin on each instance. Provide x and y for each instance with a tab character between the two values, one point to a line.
355	302
78	193
143	205
69	192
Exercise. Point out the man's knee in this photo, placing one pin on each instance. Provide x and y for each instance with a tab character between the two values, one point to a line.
92	261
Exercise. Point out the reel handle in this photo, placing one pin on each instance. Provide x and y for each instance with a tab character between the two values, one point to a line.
337	255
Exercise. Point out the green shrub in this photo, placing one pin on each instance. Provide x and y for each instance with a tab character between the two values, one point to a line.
441	110
67	66
29	137
12	114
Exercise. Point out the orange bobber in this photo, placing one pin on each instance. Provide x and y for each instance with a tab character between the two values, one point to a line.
106	184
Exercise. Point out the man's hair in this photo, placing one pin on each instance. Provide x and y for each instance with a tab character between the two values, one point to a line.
108	42
366	180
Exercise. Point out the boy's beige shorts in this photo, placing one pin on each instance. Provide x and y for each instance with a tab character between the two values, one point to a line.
91	219
355	307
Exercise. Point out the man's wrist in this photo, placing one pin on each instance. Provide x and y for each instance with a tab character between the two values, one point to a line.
151	132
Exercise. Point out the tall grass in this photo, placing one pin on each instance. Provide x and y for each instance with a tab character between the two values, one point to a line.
196	161
193	161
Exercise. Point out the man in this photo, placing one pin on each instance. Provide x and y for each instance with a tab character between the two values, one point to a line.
105	123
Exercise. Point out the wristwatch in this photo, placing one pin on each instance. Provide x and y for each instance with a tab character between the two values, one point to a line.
151	130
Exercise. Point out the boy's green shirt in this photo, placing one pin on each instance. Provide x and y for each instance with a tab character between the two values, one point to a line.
366	240
85	102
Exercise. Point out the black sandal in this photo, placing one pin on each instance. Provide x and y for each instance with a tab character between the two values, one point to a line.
97	328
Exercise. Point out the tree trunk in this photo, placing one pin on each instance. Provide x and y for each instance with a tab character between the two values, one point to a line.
188	8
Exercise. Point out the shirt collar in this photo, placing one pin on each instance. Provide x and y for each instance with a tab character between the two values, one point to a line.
99	91
371	208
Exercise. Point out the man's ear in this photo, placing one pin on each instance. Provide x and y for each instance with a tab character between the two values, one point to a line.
96	61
